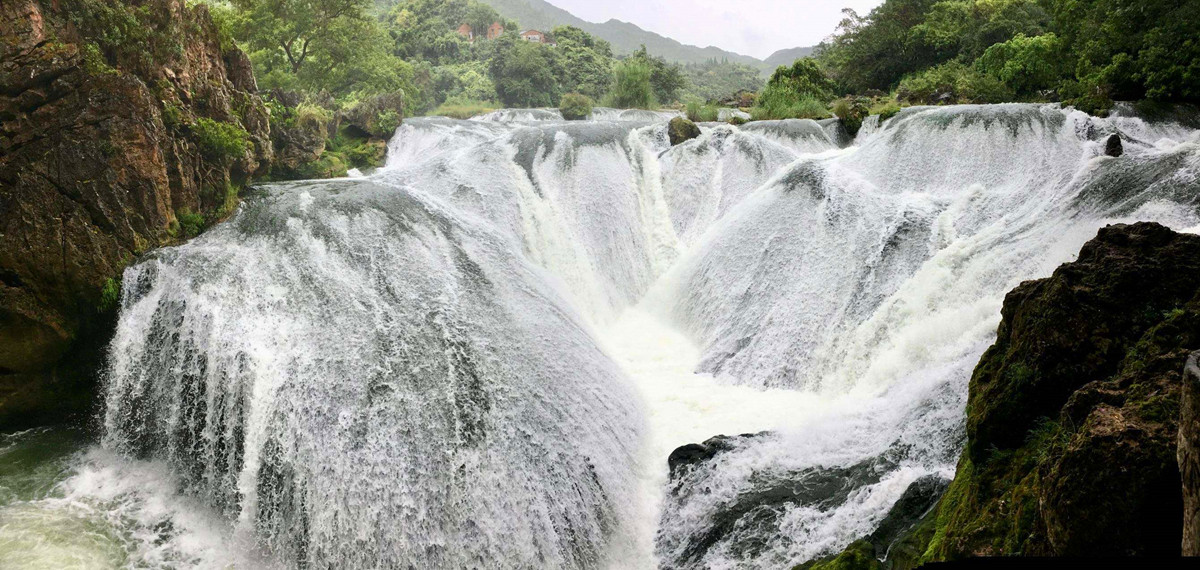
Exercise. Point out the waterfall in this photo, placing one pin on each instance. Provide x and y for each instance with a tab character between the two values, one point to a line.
480	355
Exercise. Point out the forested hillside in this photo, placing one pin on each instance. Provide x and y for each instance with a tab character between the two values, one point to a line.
1084	52
625	37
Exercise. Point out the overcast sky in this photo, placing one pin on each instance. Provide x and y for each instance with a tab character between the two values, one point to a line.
750	27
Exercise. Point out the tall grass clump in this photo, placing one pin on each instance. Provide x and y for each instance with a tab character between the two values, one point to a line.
698	112
631	87
464	108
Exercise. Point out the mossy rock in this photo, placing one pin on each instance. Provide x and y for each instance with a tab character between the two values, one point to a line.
681	130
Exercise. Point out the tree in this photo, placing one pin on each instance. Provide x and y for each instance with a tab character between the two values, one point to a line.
299	28
666	79
524	73
587	61
1027	65
632	88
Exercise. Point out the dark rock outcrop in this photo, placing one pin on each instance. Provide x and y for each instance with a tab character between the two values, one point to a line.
681	130
104	147
1113	146
749	524
1073	415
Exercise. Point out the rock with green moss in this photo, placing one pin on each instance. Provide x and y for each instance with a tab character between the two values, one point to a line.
1073	414
681	130
860	555
98	153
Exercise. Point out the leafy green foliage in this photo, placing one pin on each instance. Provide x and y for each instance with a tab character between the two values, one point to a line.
714	81
809	108
699	112
798	91
587	62
632	88
666	79
462	108
220	141
1026	65
1085	52
524	73
315	45
575	106
852	112
953	82
192	223
110	295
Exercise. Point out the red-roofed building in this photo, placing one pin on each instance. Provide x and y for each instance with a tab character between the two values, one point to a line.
533	36
495	30
466	32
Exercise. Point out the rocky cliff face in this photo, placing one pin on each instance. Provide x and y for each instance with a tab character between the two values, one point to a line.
123	127
1080	419
1073	415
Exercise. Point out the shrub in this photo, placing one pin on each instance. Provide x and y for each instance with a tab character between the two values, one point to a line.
852	111
803	109
192	223
463	108
631	86
699	112
110	295
312	117
220	141
953	82
887	111
575	107
1026	65
791	91
388	121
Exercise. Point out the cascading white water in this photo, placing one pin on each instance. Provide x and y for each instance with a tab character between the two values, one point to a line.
481	355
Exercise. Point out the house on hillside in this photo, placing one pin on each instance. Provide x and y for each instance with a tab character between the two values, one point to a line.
466	32
495	30
533	36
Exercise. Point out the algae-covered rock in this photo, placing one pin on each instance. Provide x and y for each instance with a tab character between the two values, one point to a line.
1073	414
681	130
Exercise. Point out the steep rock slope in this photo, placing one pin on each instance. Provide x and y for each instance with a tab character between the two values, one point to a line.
123	126
1073	421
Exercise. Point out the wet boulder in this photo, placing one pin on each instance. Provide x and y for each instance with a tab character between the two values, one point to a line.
681	130
1113	146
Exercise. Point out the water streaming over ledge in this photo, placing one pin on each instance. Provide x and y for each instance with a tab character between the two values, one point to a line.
480	355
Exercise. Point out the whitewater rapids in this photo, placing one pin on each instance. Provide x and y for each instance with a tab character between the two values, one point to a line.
481	355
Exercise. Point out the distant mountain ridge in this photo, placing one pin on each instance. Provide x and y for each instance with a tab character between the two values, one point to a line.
624	36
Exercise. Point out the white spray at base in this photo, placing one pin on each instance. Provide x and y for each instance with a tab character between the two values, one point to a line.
481	355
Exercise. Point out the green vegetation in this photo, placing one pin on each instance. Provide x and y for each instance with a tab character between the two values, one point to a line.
192	223
796	92
852	112
715	81
110	295
575	106
220	141
313	45
699	112
1084	52
524	73
461	108
632	87
953	82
